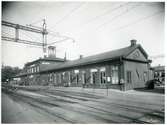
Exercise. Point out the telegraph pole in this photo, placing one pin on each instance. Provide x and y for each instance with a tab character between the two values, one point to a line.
44	36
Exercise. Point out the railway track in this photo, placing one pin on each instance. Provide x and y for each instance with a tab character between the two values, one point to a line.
80	107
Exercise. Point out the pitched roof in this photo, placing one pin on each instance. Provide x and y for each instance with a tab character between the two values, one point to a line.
111	55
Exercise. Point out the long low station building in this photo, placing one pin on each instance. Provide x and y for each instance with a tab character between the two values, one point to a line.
124	69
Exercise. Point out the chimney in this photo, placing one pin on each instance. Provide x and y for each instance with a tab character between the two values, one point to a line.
80	56
133	42
52	51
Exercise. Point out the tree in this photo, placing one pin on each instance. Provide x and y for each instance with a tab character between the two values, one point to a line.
8	72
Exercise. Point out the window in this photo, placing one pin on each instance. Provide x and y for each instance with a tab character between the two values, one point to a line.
103	77
155	74
37	68
160	74
93	75
34	69
63	75
129	77
28	70
55	77
76	71
114	74
45	63
84	75
31	76
60	77
77	77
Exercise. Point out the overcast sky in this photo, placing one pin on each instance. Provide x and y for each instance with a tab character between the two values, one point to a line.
96	27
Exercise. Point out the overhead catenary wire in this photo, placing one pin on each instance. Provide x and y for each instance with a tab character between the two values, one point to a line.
36	22
138	20
57	35
106	13
68	14
26	34
59	41
119	15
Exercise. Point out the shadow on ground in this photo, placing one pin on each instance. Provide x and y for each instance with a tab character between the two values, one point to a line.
157	89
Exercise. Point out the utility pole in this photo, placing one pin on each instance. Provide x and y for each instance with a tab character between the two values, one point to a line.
30	28
44	36
19	27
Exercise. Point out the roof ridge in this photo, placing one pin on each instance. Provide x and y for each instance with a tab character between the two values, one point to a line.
104	52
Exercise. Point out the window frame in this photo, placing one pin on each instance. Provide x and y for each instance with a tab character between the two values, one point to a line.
114	70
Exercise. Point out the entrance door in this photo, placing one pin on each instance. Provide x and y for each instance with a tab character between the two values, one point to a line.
102	78
94	78
114	75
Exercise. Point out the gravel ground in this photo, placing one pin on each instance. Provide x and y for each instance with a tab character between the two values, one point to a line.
77	105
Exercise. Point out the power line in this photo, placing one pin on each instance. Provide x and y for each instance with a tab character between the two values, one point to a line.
138	20
59	41
117	16
38	21
68	14
65	38
37	39
57	35
106	13
53	34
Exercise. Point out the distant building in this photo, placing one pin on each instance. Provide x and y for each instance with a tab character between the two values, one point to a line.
159	73
122	69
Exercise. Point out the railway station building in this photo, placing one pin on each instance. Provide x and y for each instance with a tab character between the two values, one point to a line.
124	69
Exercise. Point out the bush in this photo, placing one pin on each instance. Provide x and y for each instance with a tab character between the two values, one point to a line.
150	84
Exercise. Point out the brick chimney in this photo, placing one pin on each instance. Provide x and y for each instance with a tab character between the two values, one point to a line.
52	51
133	42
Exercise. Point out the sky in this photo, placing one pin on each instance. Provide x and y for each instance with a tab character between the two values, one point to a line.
95	27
